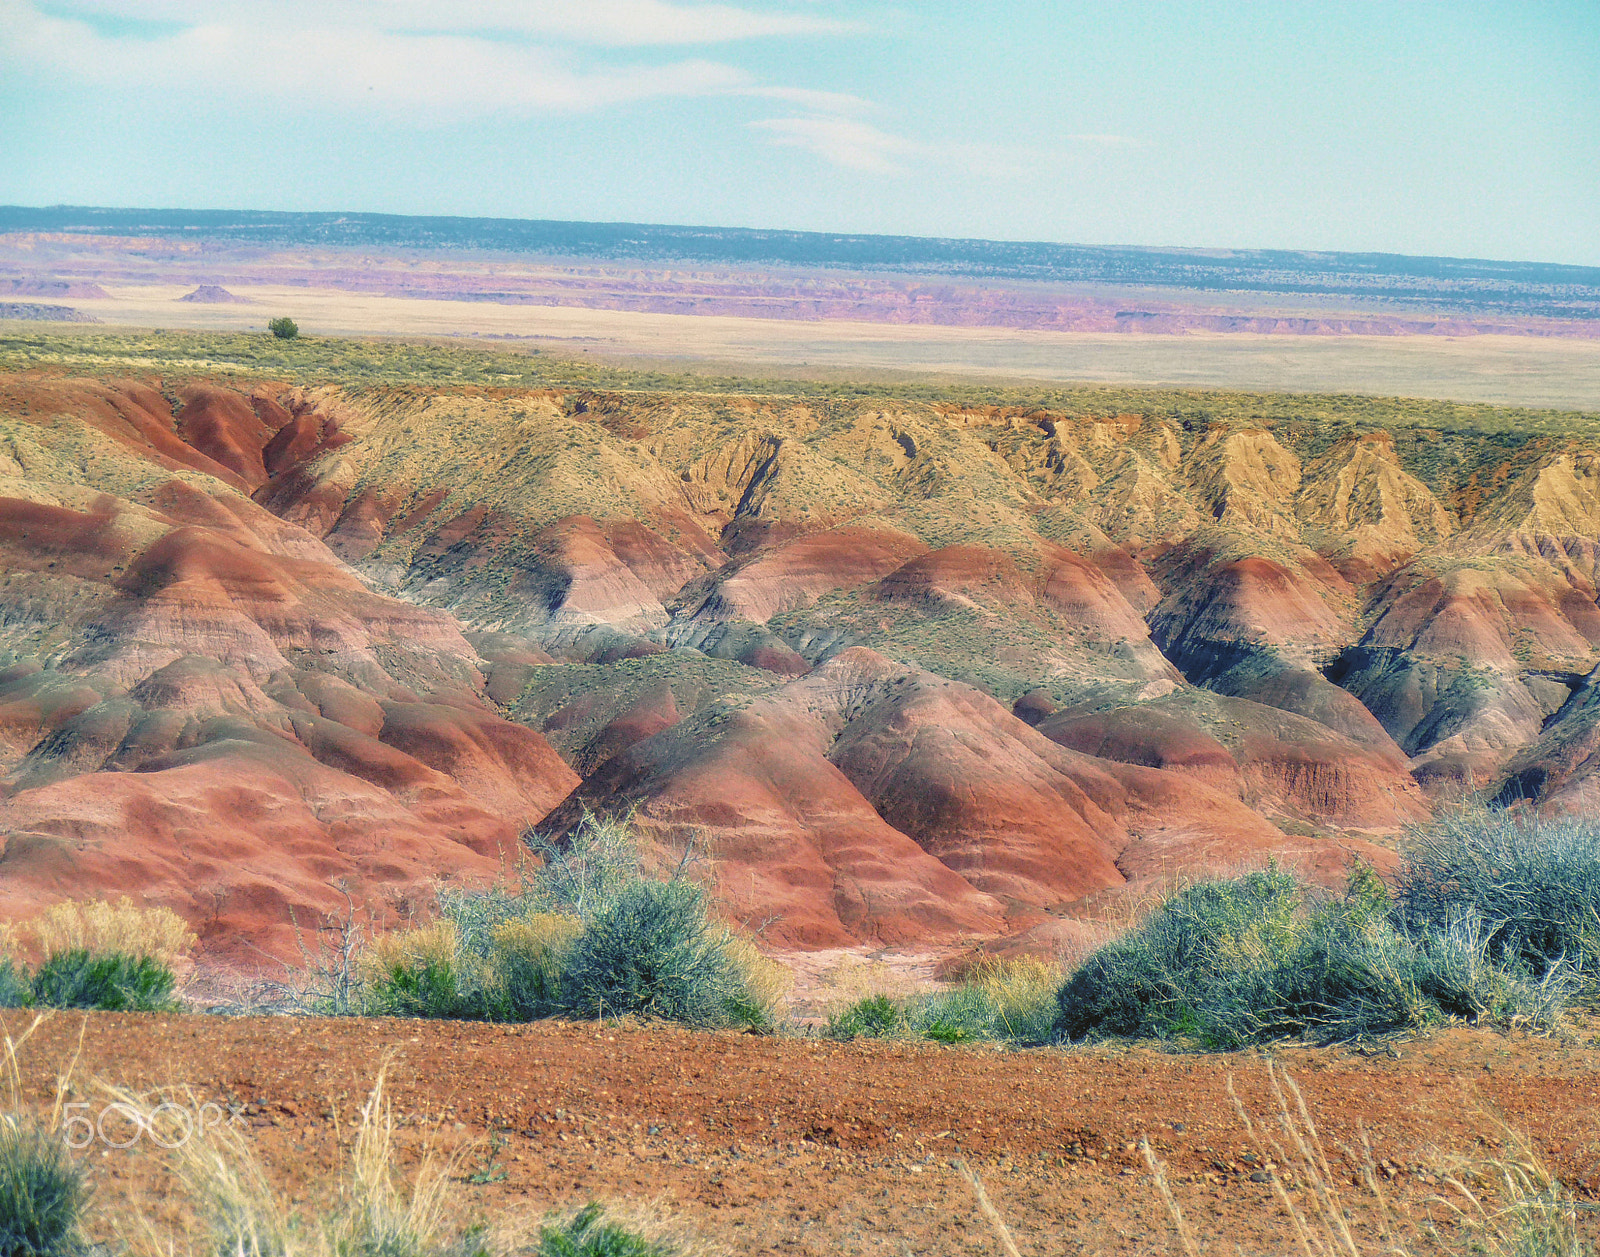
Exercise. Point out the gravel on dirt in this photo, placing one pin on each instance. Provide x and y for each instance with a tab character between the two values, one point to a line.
795	1145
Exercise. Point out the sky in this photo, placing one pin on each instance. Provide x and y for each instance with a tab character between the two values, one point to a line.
1407	126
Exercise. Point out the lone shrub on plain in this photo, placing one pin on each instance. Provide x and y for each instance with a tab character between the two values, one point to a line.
284	328
42	1193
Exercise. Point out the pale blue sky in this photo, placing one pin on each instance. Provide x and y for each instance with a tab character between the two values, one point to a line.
1468	129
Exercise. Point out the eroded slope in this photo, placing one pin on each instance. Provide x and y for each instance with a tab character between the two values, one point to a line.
912	671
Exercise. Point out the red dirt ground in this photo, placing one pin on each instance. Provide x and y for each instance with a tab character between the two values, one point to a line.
774	1145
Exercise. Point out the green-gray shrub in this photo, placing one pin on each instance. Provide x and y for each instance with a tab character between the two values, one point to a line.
109	981
16	985
42	1193
424	987
873	1017
1534	883
585	933
584	874
1263	957
652	951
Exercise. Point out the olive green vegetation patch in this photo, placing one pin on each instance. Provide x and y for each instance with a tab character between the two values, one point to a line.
1311	420
574	703
1005	651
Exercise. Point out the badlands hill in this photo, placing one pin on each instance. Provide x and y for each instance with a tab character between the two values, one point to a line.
912	671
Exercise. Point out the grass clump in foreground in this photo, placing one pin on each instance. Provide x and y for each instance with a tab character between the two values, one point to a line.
42	1193
43	1190
1493	918
588	1233
374	1213
587	935
112	956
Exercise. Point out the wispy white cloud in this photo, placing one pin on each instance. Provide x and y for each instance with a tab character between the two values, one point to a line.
424	63
325	54
846	142
852	144
603	22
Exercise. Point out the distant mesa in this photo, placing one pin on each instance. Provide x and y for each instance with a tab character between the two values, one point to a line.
58	289
213	294
38	312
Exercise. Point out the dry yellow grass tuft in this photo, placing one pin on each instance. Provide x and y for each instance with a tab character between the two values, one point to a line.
237	1210
766	981
1518	1210
1023	988
101	926
432	944
231	1204
535	946
854	979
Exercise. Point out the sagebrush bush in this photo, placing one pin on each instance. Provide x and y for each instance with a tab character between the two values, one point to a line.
584	934
1264	956
584	874
653	952
1533	881
42	1193
874	1017
111	982
16	986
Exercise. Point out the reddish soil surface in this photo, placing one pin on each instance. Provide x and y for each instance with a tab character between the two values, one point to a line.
804	1146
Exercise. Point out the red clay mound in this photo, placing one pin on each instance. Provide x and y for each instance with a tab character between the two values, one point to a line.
133	414
1215	611
237	840
956	574
1147	736
856	801
232	719
977	577
1277	762
976	788
794	573
1465	666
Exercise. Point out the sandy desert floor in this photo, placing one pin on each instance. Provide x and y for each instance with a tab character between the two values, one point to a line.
1510	370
